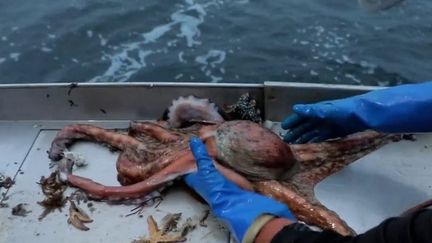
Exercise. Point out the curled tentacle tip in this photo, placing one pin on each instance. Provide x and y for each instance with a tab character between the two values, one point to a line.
191	108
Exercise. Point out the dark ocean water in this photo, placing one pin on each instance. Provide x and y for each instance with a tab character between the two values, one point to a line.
327	41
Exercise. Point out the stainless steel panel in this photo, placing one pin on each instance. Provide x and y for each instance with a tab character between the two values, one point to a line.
108	101
281	96
15	143
129	101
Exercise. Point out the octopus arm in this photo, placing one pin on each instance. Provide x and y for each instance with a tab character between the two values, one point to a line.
183	165
69	134
154	130
304	206
319	160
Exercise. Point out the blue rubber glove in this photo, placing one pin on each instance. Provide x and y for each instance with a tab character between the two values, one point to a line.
400	109
231	204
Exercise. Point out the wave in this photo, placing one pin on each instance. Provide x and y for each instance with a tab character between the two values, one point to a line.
127	59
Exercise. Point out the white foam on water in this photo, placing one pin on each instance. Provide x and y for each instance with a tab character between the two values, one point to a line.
4	38
46	49
353	78
314	73
2	60
332	44
180	56
74	60
127	59
103	41
189	24
210	63
14	56
383	83
178	76
52	36
89	33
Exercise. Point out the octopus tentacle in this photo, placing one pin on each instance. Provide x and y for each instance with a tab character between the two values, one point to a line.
138	168
311	212
154	130
318	161
69	134
184	165
188	109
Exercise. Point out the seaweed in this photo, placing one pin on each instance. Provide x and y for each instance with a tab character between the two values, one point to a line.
20	210
53	189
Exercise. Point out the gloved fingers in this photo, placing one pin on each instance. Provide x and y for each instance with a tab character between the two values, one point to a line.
322	136
298	131
207	177
323	110
203	160
304	110
305	138
292	121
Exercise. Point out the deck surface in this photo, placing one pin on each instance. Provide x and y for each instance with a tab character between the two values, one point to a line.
380	185
24	147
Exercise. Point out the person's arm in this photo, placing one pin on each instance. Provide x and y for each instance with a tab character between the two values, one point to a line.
244	212
400	109
414	228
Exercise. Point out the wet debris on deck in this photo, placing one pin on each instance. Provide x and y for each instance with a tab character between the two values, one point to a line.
79	196
71	87
203	218
77	159
77	217
170	221
91	207
6	182
53	190
169	231
20	210
153	198
72	103
244	109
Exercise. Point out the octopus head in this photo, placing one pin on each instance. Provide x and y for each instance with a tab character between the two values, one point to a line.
252	150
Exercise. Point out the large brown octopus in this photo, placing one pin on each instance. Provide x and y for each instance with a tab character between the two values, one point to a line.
252	156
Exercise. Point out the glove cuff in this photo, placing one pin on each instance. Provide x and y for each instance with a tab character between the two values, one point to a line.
255	228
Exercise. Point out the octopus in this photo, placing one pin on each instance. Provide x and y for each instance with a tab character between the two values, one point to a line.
152	154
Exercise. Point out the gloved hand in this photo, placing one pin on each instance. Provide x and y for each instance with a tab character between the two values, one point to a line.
400	109
239	209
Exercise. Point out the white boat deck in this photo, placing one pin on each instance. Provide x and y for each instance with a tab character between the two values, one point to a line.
23	148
